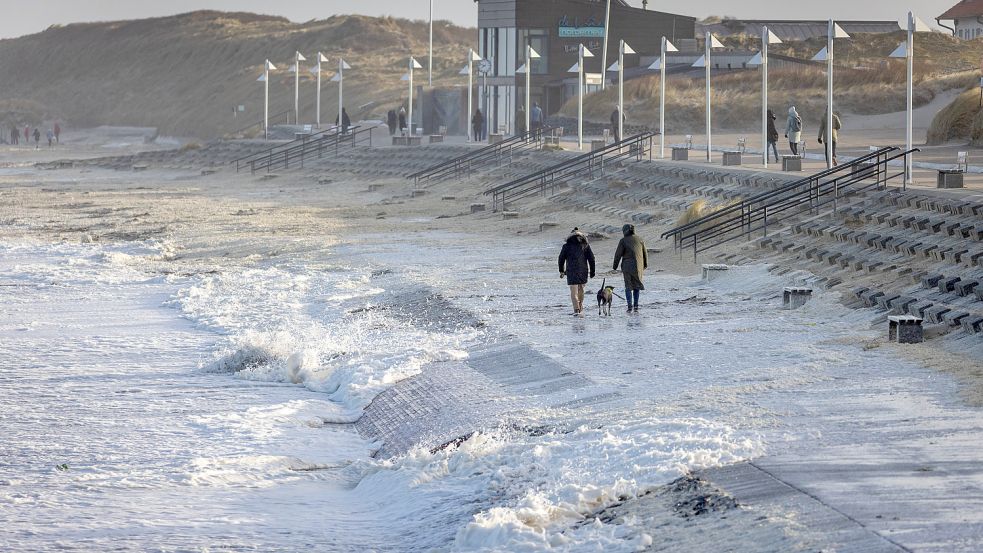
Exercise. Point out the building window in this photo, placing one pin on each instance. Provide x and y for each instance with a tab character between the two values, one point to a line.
539	40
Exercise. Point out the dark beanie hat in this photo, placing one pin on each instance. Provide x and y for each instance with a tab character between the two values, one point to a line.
628	229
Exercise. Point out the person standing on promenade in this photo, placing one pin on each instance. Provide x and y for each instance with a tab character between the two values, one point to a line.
57	133
536	117
477	123
37	138
772	136
793	130
576	263
833	135
633	258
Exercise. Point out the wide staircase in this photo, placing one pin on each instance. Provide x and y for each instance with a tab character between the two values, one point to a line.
307	149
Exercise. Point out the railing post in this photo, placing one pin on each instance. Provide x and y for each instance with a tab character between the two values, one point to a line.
694	248
766	220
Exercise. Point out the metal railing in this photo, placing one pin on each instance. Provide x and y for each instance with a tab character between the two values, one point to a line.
285	115
245	161
547	180
324	144
493	153
811	194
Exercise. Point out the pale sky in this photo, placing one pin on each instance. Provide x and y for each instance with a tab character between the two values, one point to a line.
20	17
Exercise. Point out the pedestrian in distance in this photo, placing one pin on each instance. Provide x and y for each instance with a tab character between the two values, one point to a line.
772	135
793	130
57	133
37	138
50	134
614	123
833	136
576	263
633	258
14	135
402	120
536	117
346	121
392	121
520	121
27	135
477	123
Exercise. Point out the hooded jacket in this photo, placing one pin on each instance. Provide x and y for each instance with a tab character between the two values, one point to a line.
633	258
576	259
794	120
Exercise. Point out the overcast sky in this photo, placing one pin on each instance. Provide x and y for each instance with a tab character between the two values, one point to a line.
20	17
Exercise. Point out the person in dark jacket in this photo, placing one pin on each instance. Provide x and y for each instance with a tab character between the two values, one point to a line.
477	124
14	135
37	138
772	135
576	262
402	119
633	258
346	121
391	121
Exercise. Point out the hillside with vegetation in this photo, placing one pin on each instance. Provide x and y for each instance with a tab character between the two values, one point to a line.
184	74
866	82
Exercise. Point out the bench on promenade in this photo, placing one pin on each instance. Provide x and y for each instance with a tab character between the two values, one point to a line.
732	158
905	329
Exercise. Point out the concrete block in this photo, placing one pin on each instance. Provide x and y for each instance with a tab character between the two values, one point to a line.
713	271
972	324
680	154
965	287
375	187
794	297
418	192
476	208
932	280
905	329
948	284
934	314
510	214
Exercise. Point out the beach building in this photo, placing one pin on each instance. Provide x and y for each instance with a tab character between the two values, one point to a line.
555	29
966	17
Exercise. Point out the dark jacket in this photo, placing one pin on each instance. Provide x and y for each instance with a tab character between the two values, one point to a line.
477	120
576	259
772	131
633	258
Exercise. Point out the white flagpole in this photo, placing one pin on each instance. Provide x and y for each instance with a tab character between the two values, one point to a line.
764	94
430	64
528	85
580	97
604	55
467	123
621	89
409	122
266	100
910	115
318	107
662	101
709	39
829	96
297	88
341	92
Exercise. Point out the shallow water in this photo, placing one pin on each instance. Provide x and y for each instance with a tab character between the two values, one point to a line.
213	412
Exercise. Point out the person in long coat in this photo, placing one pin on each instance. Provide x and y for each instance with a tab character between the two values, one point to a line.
772	135
633	258
576	262
793	130
402	119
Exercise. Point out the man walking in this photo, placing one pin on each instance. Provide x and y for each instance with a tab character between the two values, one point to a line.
832	136
576	262
615	116
536	117
633	258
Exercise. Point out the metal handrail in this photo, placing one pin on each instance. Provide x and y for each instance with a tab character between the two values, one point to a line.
784	188
725	226
259	123
325	143
470	159
244	160
547	178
